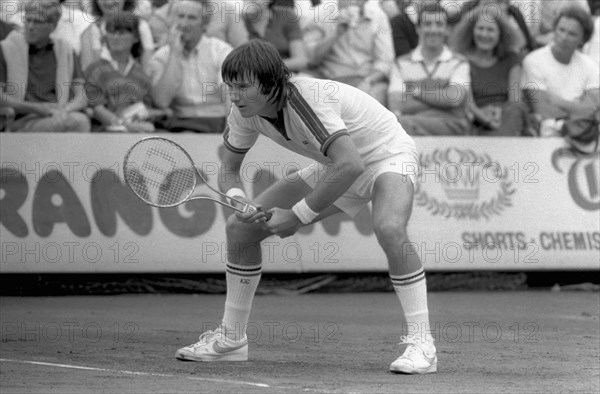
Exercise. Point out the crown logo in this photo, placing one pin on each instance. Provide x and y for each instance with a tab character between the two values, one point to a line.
460	185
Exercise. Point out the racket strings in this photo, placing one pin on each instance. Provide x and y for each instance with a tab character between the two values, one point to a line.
160	172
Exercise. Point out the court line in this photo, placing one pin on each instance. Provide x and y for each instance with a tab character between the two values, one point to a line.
137	373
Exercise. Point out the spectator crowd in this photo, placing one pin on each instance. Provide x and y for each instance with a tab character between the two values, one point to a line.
443	67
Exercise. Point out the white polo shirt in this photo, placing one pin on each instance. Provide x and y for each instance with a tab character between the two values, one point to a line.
315	113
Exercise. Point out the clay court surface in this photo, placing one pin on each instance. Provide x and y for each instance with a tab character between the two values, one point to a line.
488	342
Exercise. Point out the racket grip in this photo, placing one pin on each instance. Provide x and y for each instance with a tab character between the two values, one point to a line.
252	208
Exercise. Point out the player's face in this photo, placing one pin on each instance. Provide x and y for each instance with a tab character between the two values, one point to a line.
433	29
246	94
486	34
568	34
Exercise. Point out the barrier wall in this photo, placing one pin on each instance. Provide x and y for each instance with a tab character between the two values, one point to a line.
480	204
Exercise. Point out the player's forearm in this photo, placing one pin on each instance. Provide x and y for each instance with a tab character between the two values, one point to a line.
229	171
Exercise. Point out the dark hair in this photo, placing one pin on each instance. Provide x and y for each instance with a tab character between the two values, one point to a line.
432	8
573	11
128	5
257	60
462	41
129	23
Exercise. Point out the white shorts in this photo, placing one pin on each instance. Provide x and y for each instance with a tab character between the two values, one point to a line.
360	193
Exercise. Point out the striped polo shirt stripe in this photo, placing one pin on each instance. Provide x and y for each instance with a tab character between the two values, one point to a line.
308	116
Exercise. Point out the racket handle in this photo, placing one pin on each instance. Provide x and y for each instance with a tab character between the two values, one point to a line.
251	208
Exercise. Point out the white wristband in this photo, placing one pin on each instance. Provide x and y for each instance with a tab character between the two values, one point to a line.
235	192
303	211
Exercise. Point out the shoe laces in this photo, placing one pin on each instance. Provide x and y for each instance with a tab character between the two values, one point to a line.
207	336
413	343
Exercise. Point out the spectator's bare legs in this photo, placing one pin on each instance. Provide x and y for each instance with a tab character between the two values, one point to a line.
392	207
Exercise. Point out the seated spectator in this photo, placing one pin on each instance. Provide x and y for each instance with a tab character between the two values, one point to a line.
72	24
560	81
540	16
490	45
511	14
429	86
225	22
280	26
186	73
117	88
40	77
404	32
356	48
93	37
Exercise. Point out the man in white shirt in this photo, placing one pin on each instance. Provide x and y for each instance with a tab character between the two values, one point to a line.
560	81
186	73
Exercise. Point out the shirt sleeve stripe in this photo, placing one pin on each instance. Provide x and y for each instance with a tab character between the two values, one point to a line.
308	116
332	138
229	146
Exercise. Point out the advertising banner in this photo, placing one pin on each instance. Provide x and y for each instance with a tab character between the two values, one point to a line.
505	204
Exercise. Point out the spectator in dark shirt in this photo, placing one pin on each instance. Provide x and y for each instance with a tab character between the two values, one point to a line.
489	43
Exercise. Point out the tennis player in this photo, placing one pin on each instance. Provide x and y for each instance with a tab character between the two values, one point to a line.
366	156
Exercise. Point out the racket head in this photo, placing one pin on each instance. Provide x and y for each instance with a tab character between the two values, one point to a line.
160	172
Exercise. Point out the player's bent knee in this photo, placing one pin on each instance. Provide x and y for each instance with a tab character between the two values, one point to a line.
390	232
240	232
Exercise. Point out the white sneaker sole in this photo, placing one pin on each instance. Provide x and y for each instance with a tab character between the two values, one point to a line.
408	370
233	356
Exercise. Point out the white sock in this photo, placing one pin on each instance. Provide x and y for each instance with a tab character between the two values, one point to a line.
242	282
412	292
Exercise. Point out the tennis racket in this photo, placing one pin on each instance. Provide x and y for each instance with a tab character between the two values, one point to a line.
162	174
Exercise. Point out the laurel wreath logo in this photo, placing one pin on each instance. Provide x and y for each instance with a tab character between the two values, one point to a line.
469	210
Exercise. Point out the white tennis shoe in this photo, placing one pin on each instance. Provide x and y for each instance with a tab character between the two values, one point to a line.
418	357
213	345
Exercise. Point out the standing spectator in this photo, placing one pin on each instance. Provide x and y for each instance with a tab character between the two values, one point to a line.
491	44
429	86
72	24
40	77
186	73
560	81
225	23
93	37
280	26
356	48
118	90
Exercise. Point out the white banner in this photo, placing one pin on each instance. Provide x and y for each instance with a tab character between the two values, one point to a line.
480	204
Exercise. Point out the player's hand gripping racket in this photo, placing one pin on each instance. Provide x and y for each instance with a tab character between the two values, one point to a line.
162	173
